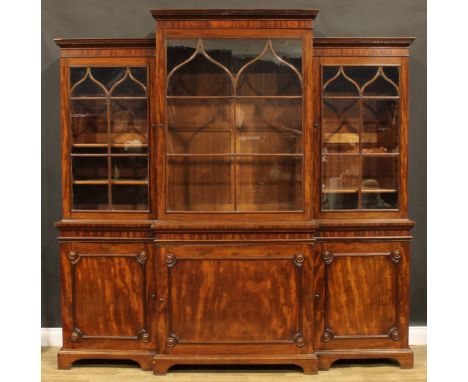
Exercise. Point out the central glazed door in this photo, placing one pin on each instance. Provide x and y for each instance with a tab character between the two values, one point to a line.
225	300
235	121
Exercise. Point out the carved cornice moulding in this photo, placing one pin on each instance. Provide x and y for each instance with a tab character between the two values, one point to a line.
319	42
204	14
74	43
358	42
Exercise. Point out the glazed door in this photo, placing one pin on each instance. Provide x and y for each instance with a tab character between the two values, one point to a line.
233	299
363	140
105	296
235	128
108	139
362	294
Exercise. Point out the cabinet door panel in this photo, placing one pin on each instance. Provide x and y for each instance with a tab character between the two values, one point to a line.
364	301
105	297
242	295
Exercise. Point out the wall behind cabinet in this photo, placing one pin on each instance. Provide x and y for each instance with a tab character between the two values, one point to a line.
123	18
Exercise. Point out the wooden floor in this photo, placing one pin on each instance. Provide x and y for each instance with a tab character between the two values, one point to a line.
375	371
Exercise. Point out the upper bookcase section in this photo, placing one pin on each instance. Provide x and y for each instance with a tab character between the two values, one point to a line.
235	18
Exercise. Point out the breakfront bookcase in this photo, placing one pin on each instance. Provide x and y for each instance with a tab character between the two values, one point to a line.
234	192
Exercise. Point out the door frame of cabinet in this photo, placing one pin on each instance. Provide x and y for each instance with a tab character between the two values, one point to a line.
363	56
393	253
159	99
71	257
168	256
103	60
77	344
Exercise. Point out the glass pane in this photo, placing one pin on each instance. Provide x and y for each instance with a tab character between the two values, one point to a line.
340	125
272	115
381	85
76	74
361	74
129	197
179	51
90	197
129	87
207	68
199	142
108	76
129	167
269	142
340	182
337	83
199	184
380	126
87	86
269	126
234	53
269	76
89	168
290	50
199	126
89	121
89	149
393	73
140	74
129	122
379	185
198	76
199	114
269	184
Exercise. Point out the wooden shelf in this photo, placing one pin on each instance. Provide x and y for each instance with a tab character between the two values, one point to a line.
130	182
235	155
91	182
339	190
341	138
363	153
79	145
133	145
103	98
355	190
378	190
352	138
361	97
233	97
106	154
113	145
105	182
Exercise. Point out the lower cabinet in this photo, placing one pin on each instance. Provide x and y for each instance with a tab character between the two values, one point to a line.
234	304
105	305
243	303
362	301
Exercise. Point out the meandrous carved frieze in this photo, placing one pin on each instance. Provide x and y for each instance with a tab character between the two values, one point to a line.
298	259
327	257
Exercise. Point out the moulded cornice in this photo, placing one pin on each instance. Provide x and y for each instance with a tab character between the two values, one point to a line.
204	14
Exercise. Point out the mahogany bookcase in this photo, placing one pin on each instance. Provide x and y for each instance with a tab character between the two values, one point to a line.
234	192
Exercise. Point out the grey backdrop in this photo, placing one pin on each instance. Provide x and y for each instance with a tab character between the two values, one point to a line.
123	18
